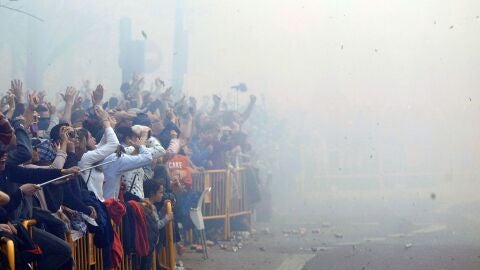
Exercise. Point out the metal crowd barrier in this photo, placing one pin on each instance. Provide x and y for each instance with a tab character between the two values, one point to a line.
228	197
8	248
87	257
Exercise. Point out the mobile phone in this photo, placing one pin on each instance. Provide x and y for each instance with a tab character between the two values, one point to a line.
34	129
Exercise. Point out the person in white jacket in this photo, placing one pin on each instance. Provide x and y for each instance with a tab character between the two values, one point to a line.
134	179
128	166
96	153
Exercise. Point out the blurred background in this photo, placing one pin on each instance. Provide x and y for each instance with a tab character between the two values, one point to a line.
364	103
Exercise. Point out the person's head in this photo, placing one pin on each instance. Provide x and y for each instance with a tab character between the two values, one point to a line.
78	116
44	117
55	132
86	141
112	103
125	134
153	190
185	151
209	133
142	119
42	111
43	152
7	140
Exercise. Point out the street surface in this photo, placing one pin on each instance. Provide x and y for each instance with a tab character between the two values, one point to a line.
417	232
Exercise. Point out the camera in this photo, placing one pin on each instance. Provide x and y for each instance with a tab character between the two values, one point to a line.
72	134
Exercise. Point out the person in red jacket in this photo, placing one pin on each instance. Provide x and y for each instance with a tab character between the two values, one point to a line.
180	172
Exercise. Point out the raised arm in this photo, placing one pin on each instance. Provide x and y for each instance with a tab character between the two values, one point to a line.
249	109
130	162
23	151
23	175
107	145
68	97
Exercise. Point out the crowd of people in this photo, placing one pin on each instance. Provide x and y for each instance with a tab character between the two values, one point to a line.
116	159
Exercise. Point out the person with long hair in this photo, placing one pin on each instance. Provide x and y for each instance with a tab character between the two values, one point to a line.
90	153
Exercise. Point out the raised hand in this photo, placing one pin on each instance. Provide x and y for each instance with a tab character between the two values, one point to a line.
16	88
41	96
64	131
216	99
11	102
51	108
135	143
192	100
33	100
167	94
69	95
101	113
159	84
97	95
77	104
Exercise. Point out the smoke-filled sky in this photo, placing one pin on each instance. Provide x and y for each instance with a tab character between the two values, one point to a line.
359	80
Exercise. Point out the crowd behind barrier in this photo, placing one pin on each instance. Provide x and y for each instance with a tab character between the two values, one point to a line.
108	184
87	256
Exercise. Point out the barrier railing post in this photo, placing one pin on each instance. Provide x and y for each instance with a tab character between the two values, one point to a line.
170	245
9	249
227	192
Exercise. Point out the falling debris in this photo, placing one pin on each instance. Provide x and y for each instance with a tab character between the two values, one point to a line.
199	248
144	34
433	196
209	243
265	231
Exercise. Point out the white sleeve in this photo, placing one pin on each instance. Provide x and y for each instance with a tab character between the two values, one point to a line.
104	150
174	146
155	148
130	162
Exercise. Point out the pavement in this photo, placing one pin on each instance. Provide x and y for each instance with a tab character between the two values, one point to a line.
377	234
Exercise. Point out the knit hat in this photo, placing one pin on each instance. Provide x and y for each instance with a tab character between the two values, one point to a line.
45	149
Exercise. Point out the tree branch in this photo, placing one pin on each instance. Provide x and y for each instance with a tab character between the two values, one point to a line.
21	11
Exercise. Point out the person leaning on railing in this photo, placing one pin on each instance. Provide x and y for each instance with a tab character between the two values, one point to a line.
90	153
56	253
155	220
